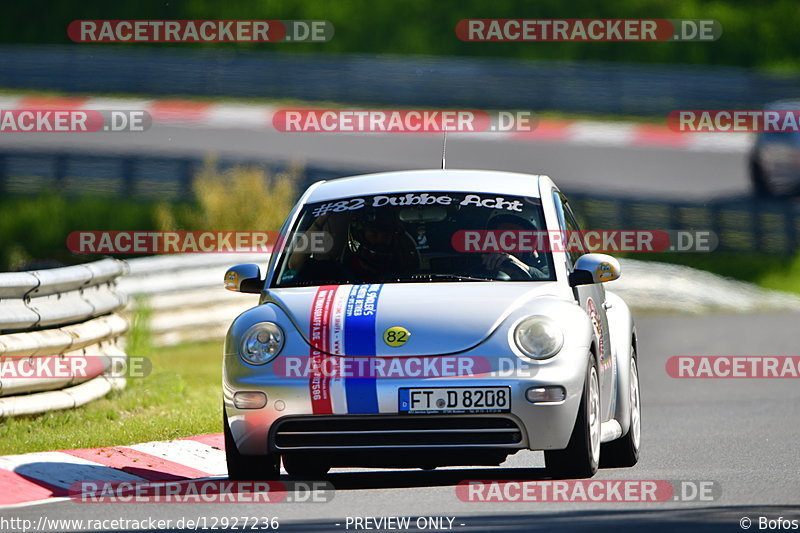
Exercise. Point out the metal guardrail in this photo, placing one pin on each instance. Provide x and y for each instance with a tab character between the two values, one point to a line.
753	225
745	224
62	312
185	296
582	87
131	175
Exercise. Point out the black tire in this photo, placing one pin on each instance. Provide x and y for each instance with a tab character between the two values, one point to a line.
248	467
579	460
624	452
304	467
759	179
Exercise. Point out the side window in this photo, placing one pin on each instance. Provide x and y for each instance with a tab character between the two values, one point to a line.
573	229
282	233
568	224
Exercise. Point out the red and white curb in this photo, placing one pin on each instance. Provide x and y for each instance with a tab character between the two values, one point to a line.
38	477
191	113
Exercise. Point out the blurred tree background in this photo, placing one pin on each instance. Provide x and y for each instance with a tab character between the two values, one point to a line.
760	34
34	229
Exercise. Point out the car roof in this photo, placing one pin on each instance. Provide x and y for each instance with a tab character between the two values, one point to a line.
449	180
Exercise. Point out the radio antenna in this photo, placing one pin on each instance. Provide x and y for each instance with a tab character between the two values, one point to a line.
444	150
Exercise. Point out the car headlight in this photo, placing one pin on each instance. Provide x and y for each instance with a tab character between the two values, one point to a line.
261	343
538	337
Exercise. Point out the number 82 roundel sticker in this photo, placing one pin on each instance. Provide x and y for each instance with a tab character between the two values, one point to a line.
396	336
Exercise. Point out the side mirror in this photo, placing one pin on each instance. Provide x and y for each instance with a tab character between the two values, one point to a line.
244	278
594	268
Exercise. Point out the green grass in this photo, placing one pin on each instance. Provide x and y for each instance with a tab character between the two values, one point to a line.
181	397
785	277
776	272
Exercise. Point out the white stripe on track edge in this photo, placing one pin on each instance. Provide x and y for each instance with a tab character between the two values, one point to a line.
188	453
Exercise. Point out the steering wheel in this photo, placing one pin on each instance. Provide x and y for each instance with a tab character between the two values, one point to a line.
515	270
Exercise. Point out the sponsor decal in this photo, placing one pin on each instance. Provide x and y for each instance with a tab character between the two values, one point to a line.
319	385
396	336
605	271
597	324
359	340
232	280
343	323
409	199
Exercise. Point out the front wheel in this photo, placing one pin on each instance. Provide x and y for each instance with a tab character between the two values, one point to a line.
582	456
624	451
247	467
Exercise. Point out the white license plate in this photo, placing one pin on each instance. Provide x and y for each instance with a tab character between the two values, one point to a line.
455	400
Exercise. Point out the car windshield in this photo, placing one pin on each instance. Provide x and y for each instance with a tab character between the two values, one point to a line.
415	237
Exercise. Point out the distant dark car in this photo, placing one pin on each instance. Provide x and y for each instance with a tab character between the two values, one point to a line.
775	159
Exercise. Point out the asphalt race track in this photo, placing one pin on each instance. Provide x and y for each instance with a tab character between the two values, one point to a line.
598	166
741	434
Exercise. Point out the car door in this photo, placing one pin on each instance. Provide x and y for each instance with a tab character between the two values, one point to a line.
592	298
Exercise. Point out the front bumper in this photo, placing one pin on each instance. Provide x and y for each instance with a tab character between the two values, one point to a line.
533	426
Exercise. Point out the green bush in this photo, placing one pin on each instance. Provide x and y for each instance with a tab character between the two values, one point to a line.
237	199
34	230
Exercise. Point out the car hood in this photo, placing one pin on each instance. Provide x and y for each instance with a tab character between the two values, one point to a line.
441	317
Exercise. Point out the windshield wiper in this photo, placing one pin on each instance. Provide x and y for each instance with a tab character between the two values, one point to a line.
315	282
457	277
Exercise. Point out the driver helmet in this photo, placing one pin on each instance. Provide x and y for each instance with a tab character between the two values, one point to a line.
375	239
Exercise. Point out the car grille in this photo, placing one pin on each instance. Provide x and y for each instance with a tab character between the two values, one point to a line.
411	431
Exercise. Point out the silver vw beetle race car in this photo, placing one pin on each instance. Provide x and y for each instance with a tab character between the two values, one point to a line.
430	318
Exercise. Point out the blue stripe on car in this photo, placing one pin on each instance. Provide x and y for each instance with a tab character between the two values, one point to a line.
359	340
